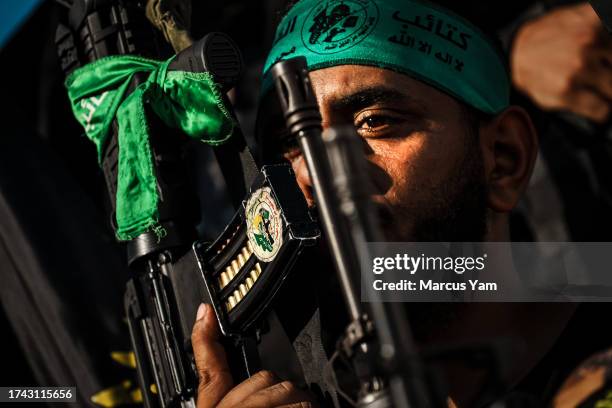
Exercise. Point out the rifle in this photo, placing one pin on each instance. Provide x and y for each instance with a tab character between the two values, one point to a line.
173	274
389	374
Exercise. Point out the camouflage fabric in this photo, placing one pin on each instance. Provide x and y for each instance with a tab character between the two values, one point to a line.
589	386
173	18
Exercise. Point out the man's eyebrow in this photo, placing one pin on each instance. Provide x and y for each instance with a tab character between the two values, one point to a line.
370	96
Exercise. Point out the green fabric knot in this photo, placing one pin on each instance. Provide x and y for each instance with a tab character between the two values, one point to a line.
189	101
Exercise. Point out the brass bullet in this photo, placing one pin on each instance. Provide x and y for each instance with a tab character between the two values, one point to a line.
243	289
224	279
249	282
246	253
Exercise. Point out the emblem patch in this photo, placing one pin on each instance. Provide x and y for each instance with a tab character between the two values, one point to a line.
337	25
264	224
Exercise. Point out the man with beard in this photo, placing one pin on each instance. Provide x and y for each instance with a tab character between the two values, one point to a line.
428	92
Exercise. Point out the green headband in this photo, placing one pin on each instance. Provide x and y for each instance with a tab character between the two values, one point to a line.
408	36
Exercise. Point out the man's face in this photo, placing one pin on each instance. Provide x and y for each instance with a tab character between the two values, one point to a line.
426	165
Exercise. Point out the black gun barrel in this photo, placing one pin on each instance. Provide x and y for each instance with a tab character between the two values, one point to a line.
303	120
337	168
353	189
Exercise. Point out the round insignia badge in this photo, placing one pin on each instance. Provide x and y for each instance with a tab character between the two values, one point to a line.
337	25
264	224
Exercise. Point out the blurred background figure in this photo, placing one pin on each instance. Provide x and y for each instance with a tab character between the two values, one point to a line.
561	62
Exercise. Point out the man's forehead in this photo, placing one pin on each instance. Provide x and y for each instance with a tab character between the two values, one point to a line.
340	84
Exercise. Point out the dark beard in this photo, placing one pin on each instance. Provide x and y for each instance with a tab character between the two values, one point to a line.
461	218
457	215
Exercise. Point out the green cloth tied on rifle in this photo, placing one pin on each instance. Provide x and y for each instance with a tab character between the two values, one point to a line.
188	101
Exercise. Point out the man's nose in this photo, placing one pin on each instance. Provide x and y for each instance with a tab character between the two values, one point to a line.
303	178
300	168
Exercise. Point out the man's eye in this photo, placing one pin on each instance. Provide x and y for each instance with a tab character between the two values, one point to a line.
375	123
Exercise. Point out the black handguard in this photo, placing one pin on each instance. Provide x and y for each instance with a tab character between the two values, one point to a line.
171	276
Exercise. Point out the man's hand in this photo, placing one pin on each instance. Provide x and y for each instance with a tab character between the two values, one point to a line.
216	388
563	61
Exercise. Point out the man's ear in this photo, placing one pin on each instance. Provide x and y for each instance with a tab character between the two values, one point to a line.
510	147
